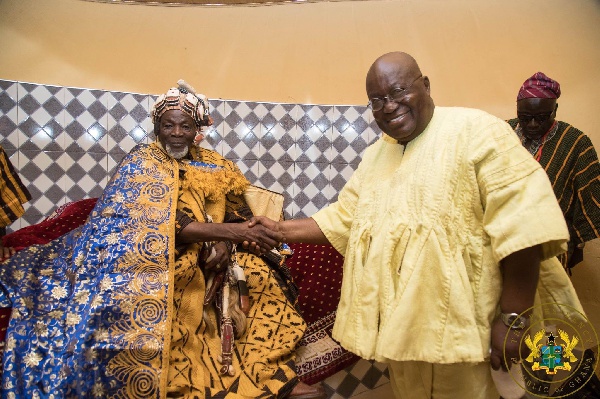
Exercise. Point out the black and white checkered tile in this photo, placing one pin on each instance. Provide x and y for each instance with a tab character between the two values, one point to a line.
66	142
69	141
357	379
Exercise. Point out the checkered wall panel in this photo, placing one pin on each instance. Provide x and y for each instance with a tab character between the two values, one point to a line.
66	142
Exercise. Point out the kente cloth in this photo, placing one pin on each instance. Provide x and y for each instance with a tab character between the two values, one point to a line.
571	162
93	310
317	270
422	243
13	194
539	86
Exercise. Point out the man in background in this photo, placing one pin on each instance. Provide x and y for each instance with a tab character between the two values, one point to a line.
13	194
570	160
568	157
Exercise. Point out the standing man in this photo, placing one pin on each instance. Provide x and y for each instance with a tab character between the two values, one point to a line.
13	194
439	267
568	157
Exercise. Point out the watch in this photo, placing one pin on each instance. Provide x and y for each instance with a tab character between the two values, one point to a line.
514	320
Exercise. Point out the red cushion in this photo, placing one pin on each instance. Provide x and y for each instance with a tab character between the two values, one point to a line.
317	270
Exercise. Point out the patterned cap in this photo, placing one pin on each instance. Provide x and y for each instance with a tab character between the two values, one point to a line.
539	86
183	98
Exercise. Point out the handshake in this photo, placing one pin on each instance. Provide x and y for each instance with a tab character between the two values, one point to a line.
261	234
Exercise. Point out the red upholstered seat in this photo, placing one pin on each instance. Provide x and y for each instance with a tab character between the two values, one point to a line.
64	219
317	270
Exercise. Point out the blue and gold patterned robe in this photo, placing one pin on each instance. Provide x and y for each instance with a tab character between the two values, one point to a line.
93	310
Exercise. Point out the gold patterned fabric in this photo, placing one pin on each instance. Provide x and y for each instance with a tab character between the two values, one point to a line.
108	310
264	356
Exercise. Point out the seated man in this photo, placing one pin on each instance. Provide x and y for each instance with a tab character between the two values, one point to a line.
115	307
13	195
568	157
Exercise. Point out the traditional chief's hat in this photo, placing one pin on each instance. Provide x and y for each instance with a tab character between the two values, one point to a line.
184	98
539	86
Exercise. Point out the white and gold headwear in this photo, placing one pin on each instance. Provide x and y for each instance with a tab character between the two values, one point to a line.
183	98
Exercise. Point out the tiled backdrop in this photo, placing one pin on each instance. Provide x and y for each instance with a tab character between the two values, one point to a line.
65	143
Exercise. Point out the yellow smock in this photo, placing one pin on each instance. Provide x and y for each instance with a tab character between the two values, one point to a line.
423	228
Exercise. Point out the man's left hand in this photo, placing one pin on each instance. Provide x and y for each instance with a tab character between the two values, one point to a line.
506	344
221	259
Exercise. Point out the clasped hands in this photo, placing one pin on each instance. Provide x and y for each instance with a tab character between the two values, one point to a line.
263	234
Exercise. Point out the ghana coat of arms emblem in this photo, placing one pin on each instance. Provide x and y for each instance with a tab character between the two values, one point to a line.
552	356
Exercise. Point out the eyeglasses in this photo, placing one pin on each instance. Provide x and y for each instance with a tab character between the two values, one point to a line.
539	118
396	96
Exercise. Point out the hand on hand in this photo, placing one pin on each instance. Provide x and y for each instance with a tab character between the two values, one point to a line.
270	227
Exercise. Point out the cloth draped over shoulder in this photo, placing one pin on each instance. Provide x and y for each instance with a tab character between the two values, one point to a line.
13	194
571	162
424	240
92	310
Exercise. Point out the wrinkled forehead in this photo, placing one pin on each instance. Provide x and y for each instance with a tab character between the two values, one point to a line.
536	105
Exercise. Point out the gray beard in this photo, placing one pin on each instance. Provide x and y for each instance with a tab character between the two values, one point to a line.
177	154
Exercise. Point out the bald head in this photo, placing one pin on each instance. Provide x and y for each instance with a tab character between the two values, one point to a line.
408	113
398	60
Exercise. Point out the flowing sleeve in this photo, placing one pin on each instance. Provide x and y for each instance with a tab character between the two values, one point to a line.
520	208
335	221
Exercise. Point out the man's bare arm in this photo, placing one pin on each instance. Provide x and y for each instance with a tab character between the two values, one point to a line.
304	230
520	273
265	238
